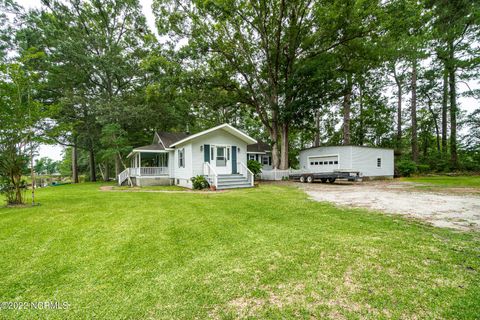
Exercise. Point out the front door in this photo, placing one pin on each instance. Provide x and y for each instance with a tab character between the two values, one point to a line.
221	159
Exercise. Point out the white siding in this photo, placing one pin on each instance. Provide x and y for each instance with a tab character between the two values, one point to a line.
183	174
219	137
362	159
365	161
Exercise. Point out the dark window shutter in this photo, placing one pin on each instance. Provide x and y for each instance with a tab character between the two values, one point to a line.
206	153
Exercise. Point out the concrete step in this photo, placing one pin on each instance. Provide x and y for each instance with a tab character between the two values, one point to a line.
223	187
232	180
235	183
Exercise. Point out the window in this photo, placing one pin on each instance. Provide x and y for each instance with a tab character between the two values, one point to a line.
221	158
320	163
330	162
379	162
228	153
311	163
316	163
181	158
251	157
265	160
335	162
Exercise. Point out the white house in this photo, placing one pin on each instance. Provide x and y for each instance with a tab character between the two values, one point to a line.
370	162
261	152
219	154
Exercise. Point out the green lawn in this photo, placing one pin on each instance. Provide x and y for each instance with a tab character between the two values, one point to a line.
267	252
448	181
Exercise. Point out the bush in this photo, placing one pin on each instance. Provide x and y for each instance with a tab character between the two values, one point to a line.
255	167
406	168
423	168
199	182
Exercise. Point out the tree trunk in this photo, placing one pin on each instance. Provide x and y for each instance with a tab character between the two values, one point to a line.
444	111
453	109
275	153
75	161
317	129
361	132
414	113
435	121
346	111
284	148
107	171
117	165
91	158
399	113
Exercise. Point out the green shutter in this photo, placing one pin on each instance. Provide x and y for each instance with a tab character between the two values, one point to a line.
234	159
206	153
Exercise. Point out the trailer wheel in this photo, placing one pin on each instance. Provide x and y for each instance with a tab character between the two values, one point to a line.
302	179
323	180
331	180
310	179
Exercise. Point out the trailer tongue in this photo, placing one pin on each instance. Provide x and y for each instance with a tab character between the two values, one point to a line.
325	176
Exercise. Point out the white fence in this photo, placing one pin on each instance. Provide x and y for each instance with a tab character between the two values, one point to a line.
274	174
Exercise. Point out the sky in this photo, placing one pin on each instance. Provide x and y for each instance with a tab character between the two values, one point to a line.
55	151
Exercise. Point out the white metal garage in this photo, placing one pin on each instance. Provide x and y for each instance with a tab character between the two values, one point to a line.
370	162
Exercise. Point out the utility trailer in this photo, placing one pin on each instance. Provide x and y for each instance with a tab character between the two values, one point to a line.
325	176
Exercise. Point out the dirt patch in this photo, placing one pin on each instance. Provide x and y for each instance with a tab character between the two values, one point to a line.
137	189
458	209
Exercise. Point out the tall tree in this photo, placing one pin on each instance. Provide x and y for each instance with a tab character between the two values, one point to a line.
261	44
456	25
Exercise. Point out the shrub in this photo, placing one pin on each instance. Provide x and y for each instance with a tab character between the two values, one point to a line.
199	182
406	168
423	168
255	167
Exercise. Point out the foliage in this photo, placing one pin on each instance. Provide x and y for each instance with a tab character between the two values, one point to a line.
406	168
46	165
19	114
255	167
199	182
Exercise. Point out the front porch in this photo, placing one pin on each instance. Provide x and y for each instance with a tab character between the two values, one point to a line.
147	166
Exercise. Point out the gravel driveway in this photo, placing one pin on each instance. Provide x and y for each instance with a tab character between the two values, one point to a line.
451	208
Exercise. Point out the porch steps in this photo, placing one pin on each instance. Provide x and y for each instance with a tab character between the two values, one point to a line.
231	181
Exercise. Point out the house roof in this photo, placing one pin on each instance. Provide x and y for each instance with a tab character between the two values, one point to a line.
169	138
259	147
226	127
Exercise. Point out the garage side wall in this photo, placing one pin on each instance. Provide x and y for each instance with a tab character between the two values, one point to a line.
366	161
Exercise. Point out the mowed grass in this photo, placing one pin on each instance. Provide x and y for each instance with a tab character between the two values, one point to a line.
447	181
267	252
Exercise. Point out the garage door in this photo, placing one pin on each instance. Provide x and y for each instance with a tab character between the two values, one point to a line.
323	163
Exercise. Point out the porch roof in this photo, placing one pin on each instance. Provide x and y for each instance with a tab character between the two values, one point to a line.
152	148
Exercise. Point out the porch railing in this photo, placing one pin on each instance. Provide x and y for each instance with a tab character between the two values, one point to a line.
153	171
210	174
244	171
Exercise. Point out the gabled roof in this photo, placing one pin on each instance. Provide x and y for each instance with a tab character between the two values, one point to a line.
259	147
169	138
226	127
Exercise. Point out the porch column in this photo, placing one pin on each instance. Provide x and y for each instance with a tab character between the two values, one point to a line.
139	163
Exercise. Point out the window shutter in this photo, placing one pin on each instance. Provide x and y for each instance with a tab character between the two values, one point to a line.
206	153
